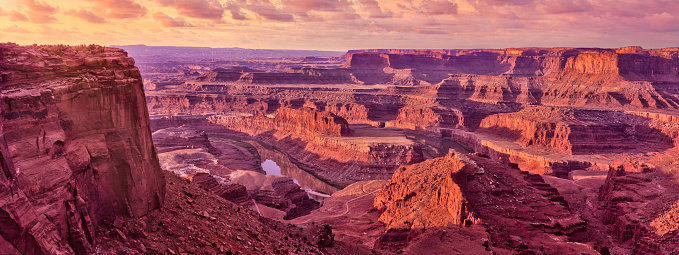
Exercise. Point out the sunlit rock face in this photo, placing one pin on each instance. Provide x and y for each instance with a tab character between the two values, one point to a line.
481	200
75	146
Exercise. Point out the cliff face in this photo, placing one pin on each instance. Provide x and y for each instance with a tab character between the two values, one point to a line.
518	210
417	197
308	120
572	131
304	122
637	209
324	141
75	146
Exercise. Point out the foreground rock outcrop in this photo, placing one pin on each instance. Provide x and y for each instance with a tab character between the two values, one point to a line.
75	147
498	207
636	211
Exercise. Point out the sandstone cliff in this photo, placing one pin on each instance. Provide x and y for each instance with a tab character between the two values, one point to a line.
75	146
518	210
637	207
579	131
324	142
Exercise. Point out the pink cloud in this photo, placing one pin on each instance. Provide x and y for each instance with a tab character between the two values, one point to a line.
199	9
565	6
373	7
39	6
39	12
16	29
87	16
431	7
236	12
119	9
17	16
168	21
42	18
664	22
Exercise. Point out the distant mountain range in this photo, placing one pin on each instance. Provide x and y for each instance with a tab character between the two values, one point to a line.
143	53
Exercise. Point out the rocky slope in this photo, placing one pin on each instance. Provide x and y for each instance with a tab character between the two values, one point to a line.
195	221
75	146
636	211
498	207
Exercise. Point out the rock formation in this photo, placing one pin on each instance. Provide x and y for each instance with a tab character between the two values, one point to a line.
75	146
574	131
326	142
546	110
233	192
631	201
518	210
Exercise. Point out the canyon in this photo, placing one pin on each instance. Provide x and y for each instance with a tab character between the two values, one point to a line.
562	114
385	151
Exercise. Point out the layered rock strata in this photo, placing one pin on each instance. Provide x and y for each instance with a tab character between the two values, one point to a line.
547	110
575	131
518	210
75	146
325	142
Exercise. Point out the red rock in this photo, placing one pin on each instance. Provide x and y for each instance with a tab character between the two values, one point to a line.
518	210
233	192
75	146
571	131
631	201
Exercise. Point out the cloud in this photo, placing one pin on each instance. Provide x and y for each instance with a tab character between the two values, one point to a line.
15	29
341	9
305	6
438	7
199	9
565	6
40	6
664	22
2	12
40	12
374	9
510	2
291	10
54	32
266	10
87	16
41	18
17	16
119	9
431	7
168	21
236	12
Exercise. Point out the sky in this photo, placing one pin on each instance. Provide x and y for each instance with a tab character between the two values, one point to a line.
344	24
